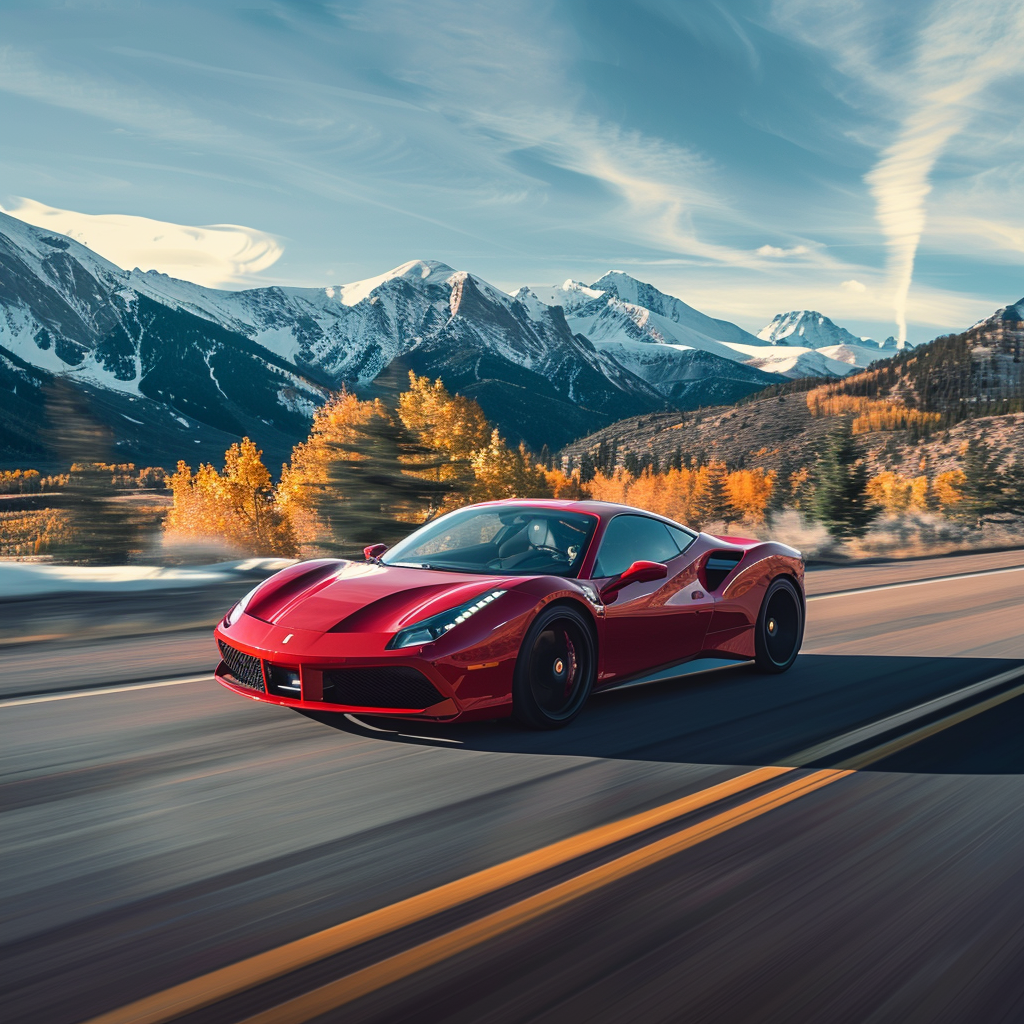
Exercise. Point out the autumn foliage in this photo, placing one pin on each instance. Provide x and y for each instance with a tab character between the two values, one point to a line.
695	496
372	468
869	414
236	506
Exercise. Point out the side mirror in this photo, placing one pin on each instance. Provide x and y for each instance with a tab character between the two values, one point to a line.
374	551
638	572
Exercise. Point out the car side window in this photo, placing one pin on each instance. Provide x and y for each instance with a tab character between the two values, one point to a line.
683	538
630	539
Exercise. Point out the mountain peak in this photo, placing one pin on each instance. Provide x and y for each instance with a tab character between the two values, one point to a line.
810	329
415	271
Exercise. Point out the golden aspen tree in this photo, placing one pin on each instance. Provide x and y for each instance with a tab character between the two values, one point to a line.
236	507
503	472
948	488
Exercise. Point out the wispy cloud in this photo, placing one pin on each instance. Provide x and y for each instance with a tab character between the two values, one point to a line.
216	255
22	74
931	69
964	49
721	147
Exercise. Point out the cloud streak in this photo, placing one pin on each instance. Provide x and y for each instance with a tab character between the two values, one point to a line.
964	49
216	255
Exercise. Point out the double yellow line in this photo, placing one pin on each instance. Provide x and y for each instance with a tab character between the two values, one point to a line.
246	974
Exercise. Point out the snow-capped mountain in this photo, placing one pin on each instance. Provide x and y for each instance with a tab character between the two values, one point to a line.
807	329
430	318
810	329
65	310
618	313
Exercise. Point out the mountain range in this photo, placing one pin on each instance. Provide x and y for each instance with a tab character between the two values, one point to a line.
179	370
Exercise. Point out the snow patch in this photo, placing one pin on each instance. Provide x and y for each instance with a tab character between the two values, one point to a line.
23	579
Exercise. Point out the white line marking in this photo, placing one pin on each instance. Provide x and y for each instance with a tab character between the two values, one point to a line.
867	732
914	583
101	691
394	732
429	739
366	725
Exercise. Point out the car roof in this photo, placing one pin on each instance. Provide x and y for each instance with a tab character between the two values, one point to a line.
603	509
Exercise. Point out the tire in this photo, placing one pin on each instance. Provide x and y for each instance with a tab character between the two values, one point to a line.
555	670
780	627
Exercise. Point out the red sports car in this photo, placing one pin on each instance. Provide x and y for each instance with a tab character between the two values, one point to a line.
511	607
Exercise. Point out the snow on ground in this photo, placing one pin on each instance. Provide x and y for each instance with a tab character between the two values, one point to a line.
35	579
791	361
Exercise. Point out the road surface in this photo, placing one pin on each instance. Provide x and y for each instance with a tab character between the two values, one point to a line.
842	843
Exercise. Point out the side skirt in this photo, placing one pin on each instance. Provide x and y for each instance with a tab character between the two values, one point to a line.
686	668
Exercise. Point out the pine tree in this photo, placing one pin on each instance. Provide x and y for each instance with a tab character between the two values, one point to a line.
102	530
377	487
840	498
988	488
716	505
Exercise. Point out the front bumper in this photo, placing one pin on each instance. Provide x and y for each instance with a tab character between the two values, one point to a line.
355	673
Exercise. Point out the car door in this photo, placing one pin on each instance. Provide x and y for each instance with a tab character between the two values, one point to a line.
655	623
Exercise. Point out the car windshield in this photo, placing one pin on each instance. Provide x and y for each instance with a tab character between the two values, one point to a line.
520	540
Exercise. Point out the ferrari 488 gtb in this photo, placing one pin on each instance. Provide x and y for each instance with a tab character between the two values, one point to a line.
511	607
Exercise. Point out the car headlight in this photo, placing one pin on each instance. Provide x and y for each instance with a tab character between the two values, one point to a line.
436	626
233	616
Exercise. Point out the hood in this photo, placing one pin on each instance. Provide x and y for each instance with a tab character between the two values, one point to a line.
350	597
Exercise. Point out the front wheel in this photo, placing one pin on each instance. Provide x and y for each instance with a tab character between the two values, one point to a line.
780	627
555	670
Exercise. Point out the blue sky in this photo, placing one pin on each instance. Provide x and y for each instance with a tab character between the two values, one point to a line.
751	156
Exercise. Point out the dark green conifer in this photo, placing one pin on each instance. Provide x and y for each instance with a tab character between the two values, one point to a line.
103	529
378	488
840	499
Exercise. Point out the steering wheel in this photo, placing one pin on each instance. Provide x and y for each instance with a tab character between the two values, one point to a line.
559	555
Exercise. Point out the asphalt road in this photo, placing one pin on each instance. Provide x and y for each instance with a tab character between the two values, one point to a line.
151	835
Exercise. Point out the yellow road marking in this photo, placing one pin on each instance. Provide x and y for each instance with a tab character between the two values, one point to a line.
884	750
346	990
246	974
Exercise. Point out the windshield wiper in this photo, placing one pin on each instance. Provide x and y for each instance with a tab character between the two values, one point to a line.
429	565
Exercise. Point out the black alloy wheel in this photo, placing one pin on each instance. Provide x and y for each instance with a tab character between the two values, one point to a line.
780	627
555	669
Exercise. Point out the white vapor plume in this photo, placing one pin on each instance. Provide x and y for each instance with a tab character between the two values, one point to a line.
965	48
217	255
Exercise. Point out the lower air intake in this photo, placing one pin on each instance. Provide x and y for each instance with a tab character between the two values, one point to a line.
396	687
244	668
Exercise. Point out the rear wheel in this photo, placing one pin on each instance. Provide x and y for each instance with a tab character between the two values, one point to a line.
780	627
555	669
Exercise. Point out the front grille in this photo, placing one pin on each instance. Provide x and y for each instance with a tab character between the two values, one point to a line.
245	669
392	687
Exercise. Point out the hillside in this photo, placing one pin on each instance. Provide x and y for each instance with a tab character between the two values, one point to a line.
924	402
